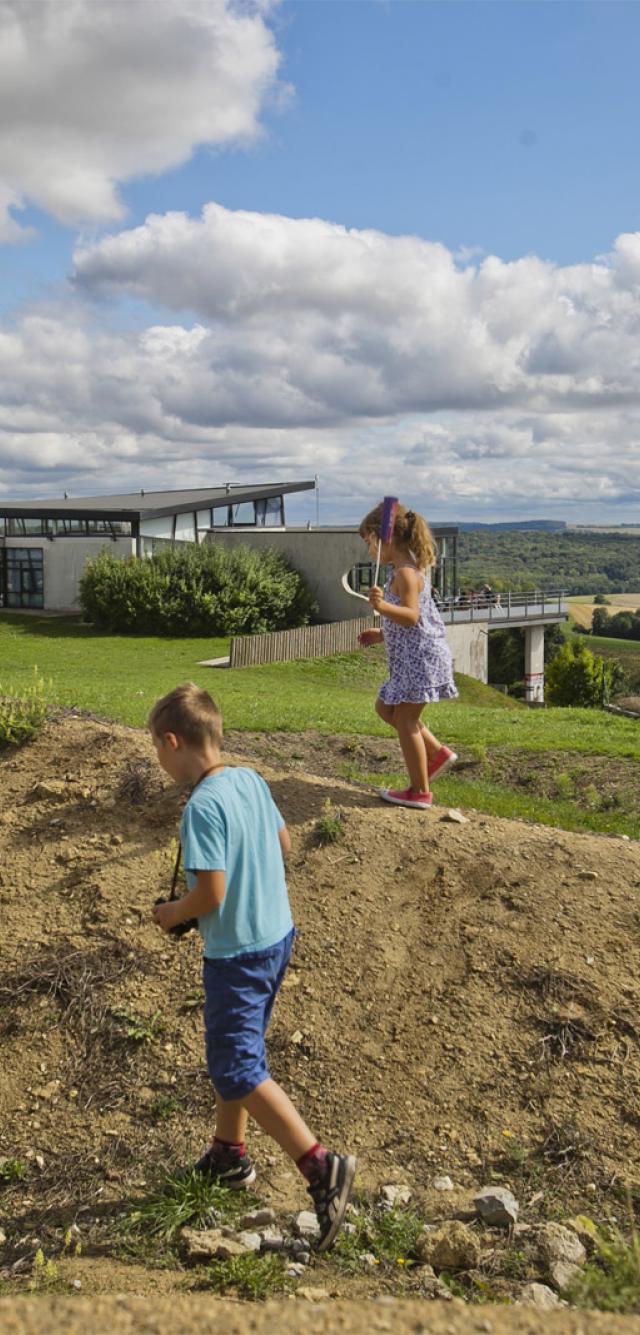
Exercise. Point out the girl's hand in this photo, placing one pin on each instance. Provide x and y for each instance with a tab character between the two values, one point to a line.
376	597
369	637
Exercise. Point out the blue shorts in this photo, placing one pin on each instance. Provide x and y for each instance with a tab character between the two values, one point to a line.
239	994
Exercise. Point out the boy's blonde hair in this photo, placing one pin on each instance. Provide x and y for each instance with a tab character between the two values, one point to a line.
409	530
190	713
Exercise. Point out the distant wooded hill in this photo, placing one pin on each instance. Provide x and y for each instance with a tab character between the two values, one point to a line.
578	562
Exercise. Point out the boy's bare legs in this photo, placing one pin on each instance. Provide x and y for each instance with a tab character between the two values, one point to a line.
406	720
273	1110
231	1120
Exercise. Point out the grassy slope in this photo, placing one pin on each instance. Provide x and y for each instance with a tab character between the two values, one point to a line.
120	677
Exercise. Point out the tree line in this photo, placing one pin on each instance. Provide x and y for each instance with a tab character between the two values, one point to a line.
575	562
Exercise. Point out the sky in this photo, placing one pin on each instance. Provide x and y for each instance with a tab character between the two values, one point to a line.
392	243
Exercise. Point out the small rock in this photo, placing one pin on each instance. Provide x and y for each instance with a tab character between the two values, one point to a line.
306	1224
539	1295
3	1237
272	1240
454	815
297	1037
208	1243
304	1258
313	1295
256	1218
201	1244
369	1259
452	1247
396	1193
39	1162
442	1184
588	875
497	1207
295	1269
558	1243
53	791
563	1274
77	1283
251	1241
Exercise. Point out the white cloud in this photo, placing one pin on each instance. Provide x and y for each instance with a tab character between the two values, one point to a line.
363	323
298	347
94	93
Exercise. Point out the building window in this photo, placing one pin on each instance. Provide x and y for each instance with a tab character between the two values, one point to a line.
220	516
270	512
161	527
203	519
361	576
25	526
185	527
22	577
244	514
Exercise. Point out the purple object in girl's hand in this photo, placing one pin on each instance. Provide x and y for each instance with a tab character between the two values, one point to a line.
389	507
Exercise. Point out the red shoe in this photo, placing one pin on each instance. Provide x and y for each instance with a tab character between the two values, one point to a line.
406	798
444	761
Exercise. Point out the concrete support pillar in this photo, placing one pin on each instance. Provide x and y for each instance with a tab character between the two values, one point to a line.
534	665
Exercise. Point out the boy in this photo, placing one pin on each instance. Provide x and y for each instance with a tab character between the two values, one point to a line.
233	841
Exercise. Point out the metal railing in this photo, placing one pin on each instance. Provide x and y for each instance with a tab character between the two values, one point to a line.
500	608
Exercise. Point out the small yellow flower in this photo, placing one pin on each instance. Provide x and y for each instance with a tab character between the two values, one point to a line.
508	1134
401	1260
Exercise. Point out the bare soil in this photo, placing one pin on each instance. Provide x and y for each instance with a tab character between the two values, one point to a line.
464	1000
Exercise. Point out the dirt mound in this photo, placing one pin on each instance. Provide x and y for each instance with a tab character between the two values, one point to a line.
194	1316
464	997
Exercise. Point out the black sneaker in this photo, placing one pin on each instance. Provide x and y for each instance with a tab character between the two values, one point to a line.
331	1194
227	1170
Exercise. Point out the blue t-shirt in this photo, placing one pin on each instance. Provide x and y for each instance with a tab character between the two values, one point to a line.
231	824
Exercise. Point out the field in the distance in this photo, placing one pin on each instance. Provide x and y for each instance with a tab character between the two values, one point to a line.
581	608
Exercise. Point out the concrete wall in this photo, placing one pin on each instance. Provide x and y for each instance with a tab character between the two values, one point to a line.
64	560
322	555
469	647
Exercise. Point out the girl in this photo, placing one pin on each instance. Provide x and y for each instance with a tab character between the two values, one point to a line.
420	669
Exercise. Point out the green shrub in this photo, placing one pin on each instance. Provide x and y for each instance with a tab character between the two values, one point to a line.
577	677
21	717
192	590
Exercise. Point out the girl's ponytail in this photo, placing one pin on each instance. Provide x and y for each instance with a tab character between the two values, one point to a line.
410	530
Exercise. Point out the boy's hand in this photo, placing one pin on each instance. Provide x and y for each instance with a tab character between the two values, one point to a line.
167	915
376	597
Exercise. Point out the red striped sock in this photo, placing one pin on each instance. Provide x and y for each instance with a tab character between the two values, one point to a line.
312	1163
235	1147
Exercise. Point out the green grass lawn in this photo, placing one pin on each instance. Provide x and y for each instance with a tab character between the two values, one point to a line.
119	677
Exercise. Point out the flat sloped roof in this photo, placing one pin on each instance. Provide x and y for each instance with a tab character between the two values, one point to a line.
151	504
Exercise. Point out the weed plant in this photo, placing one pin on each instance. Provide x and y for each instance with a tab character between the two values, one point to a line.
22	716
184	1199
251	1277
329	828
610	1282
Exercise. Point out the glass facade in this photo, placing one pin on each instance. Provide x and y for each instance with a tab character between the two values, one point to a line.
36	526
21	577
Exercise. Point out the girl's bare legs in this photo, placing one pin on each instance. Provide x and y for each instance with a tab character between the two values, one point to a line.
406	721
431	743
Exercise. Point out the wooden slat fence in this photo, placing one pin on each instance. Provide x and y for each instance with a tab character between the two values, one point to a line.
281	646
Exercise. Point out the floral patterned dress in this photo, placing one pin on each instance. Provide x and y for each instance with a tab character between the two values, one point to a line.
420	667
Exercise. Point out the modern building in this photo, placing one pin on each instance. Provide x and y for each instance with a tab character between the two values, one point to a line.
45	545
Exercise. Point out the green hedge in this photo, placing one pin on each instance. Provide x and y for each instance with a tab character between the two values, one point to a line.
191	590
